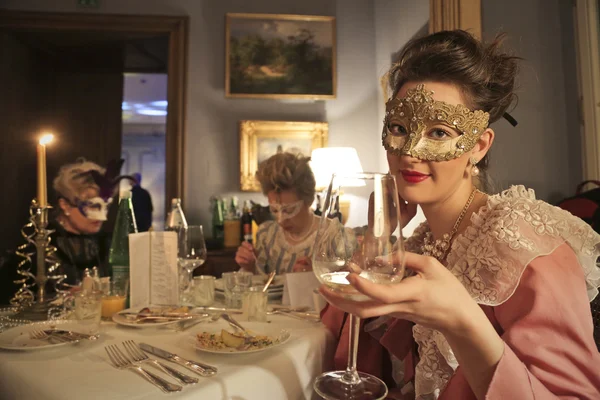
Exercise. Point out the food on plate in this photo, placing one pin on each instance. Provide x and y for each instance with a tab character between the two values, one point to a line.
170	310
165	310
228	341
231	339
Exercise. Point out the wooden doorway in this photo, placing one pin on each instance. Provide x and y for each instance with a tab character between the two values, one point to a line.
20	136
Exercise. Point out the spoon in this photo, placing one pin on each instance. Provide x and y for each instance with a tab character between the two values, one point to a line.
269	280
237	325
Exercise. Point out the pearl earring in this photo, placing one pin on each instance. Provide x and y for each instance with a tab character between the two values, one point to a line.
67	213
474	170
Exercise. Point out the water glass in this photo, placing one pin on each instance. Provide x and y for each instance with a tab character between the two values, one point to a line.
234	286
204	290
254	305
87	311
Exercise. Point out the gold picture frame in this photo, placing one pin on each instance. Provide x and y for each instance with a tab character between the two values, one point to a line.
261	139
280	56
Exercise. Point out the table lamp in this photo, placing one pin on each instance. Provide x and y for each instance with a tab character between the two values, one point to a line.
327	161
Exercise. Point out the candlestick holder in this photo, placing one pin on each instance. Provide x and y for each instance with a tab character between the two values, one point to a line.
36	307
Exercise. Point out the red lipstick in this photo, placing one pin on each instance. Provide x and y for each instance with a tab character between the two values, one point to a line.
413	176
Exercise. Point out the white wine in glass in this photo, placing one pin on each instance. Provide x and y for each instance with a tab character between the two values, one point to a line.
372	249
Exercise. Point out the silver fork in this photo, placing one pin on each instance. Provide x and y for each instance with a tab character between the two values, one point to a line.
237	325
120	361
298	315
139	356
41	335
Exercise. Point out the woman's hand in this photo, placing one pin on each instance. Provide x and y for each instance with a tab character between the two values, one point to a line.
433	297
245	257
303	264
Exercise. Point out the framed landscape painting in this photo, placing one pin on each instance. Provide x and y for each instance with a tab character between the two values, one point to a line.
260	140
280	56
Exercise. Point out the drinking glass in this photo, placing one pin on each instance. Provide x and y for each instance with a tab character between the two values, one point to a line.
87	310
254	304
192	255
234	286
204	290
373	250
114	296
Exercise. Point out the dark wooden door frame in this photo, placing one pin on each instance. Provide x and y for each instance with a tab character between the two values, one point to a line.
174	26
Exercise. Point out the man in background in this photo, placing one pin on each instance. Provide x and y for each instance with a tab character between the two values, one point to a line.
142	204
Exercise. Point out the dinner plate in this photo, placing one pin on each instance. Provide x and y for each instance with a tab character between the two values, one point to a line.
121	319
17	338
258	328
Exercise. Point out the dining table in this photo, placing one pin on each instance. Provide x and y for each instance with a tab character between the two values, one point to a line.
83	370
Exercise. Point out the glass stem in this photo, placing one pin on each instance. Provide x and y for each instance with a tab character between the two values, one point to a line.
351	376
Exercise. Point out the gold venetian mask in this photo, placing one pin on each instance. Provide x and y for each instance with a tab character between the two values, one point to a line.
408	127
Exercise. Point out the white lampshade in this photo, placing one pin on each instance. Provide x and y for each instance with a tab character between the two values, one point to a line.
335	160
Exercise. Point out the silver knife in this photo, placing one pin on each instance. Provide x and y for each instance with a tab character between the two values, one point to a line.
219	309
199	368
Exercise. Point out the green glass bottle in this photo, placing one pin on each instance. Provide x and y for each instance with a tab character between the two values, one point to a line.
218	222
119	249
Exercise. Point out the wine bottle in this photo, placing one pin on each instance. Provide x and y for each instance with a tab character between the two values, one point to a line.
318	206
247	223
218	223
176	222
175	218
232	225
335	212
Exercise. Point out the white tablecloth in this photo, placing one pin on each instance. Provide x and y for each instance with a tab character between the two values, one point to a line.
83	371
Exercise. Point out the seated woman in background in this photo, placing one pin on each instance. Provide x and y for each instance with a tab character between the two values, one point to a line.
286	243
80	213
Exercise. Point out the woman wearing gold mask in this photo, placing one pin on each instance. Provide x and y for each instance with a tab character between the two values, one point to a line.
500	294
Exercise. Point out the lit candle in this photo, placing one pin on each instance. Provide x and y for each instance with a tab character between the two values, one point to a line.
42	194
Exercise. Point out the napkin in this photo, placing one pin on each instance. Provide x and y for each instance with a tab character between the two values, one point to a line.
153	271
298	289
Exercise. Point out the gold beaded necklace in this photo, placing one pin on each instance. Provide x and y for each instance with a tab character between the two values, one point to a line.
439	248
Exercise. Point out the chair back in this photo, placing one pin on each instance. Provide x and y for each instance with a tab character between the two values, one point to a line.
595	306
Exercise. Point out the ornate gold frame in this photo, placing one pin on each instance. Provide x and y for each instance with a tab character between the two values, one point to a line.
318	132
455	14
228	93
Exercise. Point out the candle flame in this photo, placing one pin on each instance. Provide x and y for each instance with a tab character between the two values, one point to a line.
47	138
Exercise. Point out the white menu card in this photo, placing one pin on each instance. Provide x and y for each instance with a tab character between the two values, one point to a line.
298	289
153	271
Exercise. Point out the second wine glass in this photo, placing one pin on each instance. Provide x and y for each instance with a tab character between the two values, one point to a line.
192	255
371	248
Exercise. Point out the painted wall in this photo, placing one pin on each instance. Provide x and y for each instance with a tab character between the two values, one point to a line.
212	141
542	152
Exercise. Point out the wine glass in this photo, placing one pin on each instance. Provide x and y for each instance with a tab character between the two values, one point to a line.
192	255
374	250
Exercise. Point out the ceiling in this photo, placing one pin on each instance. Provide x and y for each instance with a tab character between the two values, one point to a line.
144	98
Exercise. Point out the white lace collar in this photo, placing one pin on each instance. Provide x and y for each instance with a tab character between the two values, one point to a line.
505	235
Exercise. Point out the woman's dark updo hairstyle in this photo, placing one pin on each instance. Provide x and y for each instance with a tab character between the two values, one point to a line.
484	74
